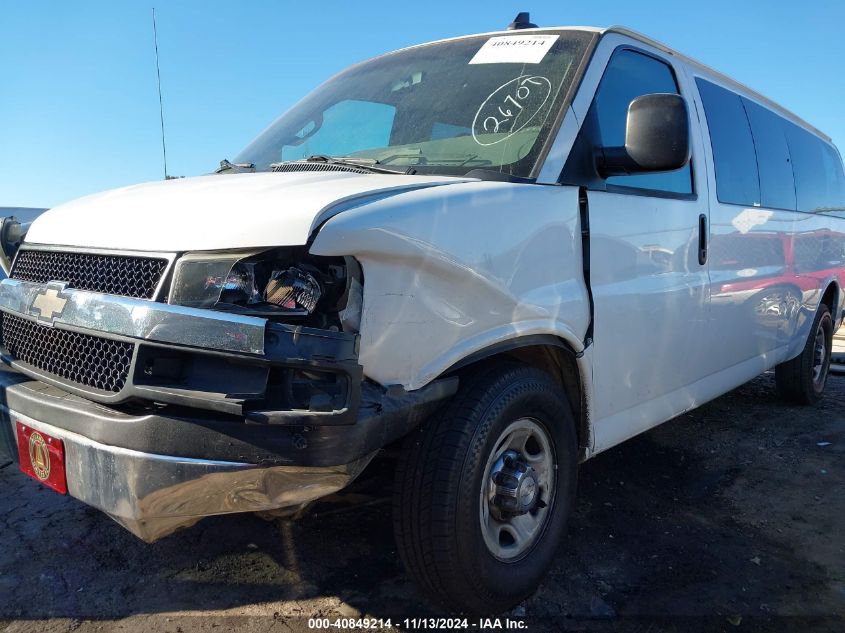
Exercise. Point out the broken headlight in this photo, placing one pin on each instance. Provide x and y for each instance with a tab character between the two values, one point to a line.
293	288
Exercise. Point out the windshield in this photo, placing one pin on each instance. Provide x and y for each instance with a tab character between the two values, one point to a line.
485	102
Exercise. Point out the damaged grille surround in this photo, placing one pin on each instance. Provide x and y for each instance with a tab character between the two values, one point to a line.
114	349
92	362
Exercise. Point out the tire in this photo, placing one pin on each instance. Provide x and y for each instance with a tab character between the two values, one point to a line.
451	531
802	380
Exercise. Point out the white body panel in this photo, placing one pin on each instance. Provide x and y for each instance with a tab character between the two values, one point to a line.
763	296
650	323
670	337
214	212
651	296
446	276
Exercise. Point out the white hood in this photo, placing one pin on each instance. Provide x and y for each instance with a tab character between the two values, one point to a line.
215	212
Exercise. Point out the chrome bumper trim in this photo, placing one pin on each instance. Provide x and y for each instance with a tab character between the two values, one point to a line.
154	495
136	318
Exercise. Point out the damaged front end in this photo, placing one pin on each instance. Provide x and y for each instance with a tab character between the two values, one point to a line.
204	383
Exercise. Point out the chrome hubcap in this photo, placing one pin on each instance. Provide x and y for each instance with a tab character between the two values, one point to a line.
515	486
518	489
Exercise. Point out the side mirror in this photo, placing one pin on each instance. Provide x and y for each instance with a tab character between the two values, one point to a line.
12	233
656	137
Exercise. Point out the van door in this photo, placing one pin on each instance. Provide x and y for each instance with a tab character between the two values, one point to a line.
755	292
650	292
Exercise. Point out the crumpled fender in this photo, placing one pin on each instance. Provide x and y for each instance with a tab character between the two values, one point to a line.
452	270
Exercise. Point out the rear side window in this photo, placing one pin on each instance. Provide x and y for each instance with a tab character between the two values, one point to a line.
630	75
777	189
737	180
819	180
833	166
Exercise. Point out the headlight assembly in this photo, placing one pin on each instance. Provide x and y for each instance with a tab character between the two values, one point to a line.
240	285
200	279
279	283
293	288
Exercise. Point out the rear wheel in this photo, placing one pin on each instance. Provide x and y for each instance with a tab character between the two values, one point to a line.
484	490
803	379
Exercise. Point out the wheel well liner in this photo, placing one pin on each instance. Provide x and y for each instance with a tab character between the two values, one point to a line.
831	298
555	356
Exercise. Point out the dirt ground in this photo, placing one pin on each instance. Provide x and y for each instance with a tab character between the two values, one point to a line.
731	517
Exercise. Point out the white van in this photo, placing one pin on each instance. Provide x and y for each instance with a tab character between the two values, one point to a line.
510	251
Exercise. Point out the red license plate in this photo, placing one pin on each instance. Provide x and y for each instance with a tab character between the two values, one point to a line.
42	457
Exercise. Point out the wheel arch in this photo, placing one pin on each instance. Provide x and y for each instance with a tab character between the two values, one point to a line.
831	298
553	355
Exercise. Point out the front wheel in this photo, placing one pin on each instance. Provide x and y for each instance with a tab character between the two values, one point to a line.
484	490
803	379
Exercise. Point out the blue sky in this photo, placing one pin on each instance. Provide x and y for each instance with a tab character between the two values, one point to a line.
78	101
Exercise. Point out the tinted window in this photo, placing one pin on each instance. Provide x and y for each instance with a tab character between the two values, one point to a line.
777	188
630	75
818	171
833	168
834	171
737	181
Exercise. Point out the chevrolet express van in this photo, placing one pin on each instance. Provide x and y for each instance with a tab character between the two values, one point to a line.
504	252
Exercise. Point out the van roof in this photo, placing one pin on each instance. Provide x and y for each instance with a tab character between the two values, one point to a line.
736	85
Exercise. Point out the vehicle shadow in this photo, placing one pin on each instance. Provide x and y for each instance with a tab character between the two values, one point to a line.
655	534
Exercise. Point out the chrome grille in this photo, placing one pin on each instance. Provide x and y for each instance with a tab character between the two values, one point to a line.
123	275
91	361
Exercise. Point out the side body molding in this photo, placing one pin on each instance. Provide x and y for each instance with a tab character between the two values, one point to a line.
451	271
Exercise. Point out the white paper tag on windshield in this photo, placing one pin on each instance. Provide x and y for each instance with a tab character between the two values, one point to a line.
514	49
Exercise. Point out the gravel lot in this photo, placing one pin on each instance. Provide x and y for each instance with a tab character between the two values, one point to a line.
731	517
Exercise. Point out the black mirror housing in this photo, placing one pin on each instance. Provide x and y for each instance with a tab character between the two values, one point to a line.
657	137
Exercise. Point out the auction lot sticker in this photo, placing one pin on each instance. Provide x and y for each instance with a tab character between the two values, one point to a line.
514	49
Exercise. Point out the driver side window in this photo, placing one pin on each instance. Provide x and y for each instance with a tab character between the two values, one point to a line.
628	75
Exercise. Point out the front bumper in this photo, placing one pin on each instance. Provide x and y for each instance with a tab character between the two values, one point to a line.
213	437
153	495
156	472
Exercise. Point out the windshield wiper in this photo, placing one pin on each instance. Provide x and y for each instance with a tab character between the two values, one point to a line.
236	168
370	164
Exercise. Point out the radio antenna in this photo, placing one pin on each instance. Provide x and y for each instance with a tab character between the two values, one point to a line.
160	103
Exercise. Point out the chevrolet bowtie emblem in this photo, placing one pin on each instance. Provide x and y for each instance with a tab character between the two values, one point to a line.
49	303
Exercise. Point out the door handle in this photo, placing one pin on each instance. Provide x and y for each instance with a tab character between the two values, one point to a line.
702	239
